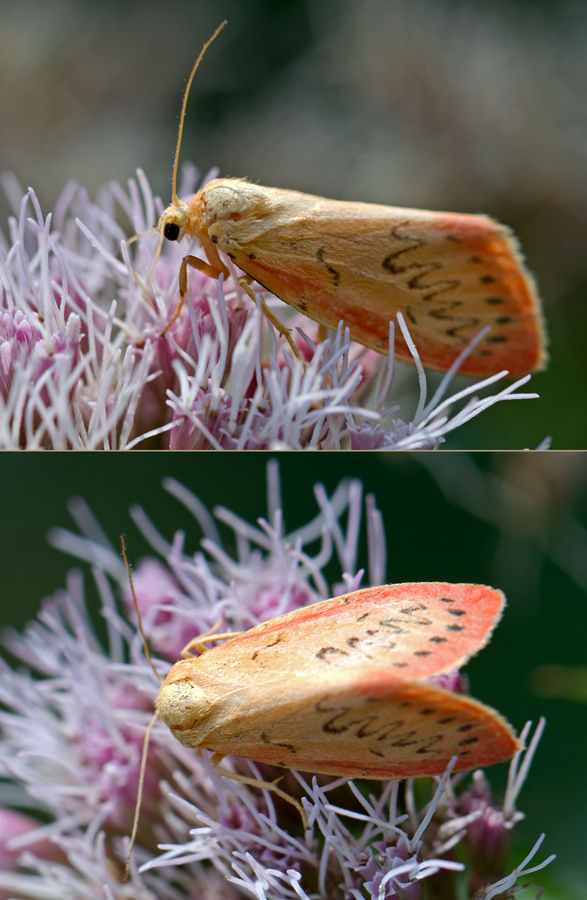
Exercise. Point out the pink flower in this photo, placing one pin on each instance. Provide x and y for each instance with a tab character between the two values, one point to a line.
15	825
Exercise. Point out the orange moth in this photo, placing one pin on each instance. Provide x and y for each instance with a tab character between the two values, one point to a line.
343	687
450	274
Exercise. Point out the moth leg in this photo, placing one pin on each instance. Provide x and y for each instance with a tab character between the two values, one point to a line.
195	263
245	283
199	643
255	782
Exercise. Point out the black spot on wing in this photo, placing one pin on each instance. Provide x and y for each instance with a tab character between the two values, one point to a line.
357	644
335	275
406	618
342	719
471	322
410	610
277	640
441	286
390	262
325	652
290	747
429	746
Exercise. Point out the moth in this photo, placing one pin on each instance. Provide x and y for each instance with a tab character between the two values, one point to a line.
450	274
346	686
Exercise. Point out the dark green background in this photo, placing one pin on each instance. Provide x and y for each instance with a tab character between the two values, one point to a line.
469	106
428	538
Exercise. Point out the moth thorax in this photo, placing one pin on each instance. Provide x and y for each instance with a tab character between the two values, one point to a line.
233	199
182	706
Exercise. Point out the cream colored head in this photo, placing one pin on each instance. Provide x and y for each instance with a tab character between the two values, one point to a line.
174	220
172	224
183	706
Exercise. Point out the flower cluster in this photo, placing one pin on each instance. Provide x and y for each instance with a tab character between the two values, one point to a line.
75	714
83	363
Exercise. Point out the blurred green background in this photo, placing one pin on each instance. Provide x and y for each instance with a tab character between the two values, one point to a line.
463	105
517	521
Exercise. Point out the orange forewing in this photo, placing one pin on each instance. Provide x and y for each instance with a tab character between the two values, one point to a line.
340	687
416	630
449	274
382	727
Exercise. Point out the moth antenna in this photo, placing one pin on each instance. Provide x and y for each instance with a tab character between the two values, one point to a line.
136	603
155	716
185	100
135	237
135	824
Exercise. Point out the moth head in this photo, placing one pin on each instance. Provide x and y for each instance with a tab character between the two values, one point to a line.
182	704
174	220
172	225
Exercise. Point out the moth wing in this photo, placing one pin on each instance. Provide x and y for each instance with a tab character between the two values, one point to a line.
416	630
367	724
449	274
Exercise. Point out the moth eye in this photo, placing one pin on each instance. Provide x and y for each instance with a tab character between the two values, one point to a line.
171	231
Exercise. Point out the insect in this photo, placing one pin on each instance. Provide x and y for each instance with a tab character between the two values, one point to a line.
450	274
343	687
